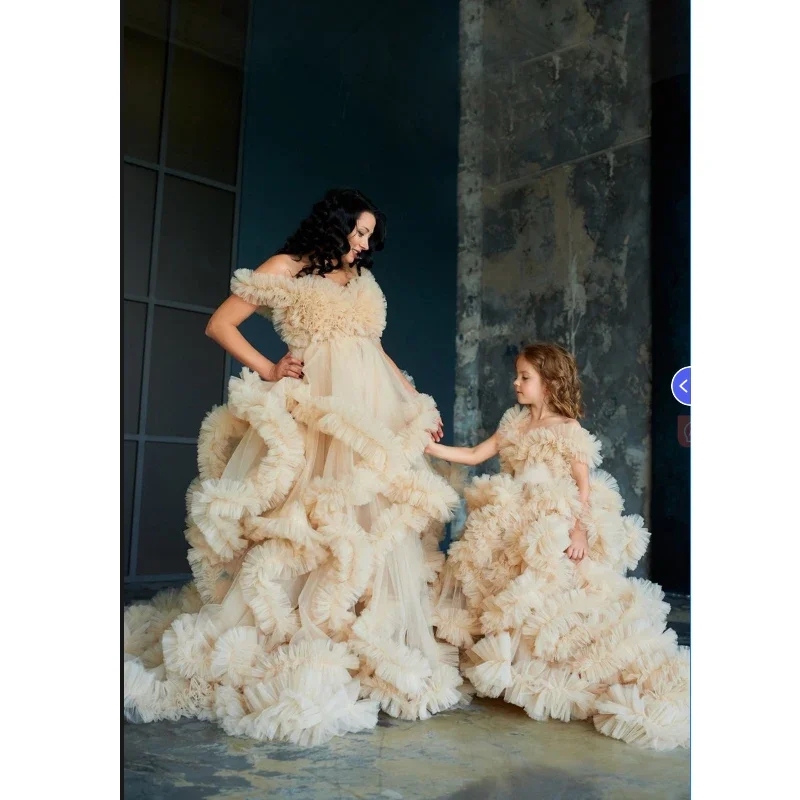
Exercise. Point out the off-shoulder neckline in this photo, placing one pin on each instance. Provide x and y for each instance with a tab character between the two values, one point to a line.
328	280
523	424
291	279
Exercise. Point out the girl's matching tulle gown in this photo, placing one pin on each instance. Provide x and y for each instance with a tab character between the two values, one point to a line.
562	640
313	532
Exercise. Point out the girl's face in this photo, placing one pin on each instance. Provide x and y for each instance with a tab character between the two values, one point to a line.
529	385
359	237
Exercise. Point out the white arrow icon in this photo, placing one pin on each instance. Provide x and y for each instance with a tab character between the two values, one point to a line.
682	391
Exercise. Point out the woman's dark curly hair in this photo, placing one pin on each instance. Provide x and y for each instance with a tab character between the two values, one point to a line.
322	235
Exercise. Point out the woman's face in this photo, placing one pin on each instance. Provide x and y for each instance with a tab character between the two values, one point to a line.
359	237
529	385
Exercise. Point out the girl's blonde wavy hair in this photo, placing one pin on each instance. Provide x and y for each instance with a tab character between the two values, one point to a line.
559	372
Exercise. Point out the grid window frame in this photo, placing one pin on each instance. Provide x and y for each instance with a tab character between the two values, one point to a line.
152	302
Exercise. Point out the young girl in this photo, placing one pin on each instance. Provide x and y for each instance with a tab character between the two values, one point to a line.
539	574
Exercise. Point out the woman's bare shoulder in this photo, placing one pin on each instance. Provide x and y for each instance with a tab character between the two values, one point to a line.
280	264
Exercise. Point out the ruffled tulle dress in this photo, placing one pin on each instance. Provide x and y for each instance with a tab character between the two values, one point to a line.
562	640
313	531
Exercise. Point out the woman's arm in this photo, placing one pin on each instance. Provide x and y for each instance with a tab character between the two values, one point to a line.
398	371
223	328
471	456
439	432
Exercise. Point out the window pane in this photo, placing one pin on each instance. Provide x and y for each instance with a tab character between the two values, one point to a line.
168	471
142	92
217	29
128	482
204	110
133	321
139	187
149	16
195	248
186	373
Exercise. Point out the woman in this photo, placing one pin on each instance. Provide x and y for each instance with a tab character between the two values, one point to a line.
314	523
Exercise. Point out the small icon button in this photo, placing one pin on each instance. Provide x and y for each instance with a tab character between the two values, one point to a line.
682	386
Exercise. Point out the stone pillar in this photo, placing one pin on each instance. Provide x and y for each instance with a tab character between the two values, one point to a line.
554	214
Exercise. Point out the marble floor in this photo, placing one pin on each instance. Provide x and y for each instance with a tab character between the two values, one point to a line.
488	751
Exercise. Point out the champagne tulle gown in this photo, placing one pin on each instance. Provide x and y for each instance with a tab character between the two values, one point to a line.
313	530
562	640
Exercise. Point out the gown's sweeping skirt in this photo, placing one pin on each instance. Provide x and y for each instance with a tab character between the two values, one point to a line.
313	532
562	640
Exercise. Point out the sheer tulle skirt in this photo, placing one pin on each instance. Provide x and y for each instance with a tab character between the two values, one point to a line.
314	528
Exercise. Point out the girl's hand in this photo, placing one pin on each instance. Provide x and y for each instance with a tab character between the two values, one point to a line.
580	545
287	367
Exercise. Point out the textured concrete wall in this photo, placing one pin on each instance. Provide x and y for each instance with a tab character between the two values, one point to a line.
554	213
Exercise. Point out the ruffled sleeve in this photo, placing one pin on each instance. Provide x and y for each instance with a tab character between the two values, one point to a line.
263	289
580	445
508	423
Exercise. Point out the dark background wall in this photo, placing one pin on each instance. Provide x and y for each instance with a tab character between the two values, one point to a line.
670	509
183	77
365	95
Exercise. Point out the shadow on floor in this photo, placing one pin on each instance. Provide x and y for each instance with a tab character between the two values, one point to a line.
546	784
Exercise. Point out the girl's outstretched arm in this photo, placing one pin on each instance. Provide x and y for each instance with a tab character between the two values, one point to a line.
579	544
465	455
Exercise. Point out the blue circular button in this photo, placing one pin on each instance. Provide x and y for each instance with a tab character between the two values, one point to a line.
682	386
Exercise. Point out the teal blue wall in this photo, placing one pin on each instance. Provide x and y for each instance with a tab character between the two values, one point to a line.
364	95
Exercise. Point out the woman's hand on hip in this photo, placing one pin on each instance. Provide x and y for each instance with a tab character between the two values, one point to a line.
287	367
